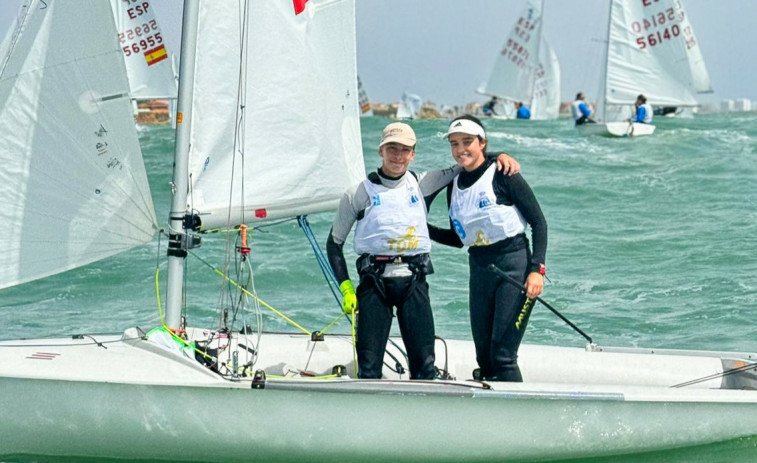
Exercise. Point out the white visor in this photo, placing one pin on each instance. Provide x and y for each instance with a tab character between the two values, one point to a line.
465	126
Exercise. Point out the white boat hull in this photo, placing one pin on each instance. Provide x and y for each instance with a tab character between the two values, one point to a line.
617	129
75	398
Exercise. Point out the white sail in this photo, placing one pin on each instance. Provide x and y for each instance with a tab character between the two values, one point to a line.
527	69
409	106
652	50
545	98
365	103
73	188
144	49
290	161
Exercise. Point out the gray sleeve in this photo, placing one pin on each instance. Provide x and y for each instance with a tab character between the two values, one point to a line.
433	181
353	201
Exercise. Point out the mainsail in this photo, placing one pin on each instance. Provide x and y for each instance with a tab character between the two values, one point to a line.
279	163
147	59
73	187
652	50
527	69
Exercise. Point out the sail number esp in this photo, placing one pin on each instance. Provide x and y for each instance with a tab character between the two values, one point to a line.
142	37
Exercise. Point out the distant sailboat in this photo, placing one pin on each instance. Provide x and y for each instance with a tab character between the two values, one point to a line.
526	69
149	66
651	50
409	106
365	103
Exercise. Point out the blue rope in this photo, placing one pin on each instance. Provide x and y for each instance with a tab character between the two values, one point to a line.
323	261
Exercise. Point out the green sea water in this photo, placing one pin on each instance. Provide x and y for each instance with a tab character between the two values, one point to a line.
652	243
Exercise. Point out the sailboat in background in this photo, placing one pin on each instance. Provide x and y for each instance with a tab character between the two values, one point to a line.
651	50
527	69
73	190
149	65
409	106
365	103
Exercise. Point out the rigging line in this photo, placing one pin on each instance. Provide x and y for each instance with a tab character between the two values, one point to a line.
238	145
512	281
333	322
77	344
241	103
328	272
244	290
169	330
19	23
732	371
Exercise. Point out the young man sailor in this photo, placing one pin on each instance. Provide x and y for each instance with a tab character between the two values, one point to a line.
391	238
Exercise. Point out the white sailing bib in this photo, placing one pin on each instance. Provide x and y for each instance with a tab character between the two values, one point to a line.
575	110
395	222
476	216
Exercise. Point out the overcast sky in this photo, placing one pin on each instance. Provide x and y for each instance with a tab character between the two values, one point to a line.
443	49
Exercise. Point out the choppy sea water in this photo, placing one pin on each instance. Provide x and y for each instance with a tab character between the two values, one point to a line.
652	243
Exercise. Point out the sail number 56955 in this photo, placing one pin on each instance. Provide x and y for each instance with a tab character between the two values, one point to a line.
144	44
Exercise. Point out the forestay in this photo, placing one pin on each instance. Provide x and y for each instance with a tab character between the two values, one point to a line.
653	50
73	188
147	58
281	163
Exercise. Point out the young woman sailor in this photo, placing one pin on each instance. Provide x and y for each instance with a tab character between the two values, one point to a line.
489	212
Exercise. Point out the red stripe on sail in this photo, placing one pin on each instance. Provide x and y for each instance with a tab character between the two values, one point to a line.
299	6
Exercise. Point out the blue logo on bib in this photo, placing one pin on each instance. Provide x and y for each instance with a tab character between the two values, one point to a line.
458	229
376	200
484	202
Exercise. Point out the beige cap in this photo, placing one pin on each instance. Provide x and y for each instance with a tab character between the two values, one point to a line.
398	132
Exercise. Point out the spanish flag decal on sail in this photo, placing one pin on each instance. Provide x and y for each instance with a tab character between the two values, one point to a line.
299	6
156	55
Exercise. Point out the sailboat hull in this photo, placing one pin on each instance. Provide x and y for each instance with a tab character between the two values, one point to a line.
617	129
574	403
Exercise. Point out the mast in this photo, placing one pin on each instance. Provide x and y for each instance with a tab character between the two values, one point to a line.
179	241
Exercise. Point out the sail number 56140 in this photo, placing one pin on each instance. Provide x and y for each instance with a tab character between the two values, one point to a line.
657	37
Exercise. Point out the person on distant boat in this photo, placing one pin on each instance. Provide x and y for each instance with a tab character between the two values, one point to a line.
391	238
489	213
488	108
643	111
521	112
580	111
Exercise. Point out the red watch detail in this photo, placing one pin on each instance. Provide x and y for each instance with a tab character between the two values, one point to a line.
542	269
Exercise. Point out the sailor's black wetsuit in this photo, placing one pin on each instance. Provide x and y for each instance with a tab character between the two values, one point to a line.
498	312
380	290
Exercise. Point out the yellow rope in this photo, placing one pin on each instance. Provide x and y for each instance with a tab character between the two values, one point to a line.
166	327
354	346
261	301
328	327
